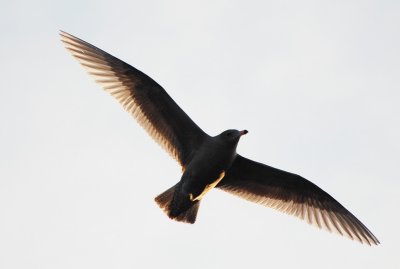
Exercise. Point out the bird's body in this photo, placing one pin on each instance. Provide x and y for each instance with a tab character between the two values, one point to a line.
214	157
210	161
205	170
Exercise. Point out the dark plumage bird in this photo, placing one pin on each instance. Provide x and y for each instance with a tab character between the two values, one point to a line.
209	161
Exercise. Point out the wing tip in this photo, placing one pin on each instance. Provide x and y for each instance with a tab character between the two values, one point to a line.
65	34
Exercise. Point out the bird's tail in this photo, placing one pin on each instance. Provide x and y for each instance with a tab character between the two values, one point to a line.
177	205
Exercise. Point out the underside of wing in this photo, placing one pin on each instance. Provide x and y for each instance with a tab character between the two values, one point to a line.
293	195
142	97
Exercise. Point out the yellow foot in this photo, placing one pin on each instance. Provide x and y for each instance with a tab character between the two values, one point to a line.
207	188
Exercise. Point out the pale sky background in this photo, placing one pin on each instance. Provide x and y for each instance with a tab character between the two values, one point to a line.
316	83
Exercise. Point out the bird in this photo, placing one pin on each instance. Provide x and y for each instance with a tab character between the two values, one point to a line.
209	162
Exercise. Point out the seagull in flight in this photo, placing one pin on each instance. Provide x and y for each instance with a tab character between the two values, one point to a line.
210	161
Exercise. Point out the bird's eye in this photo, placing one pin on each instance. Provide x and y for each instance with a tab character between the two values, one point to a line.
229	133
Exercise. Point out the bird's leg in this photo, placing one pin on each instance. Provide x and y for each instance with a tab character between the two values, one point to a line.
207	188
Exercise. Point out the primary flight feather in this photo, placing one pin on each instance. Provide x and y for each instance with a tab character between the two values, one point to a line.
209	161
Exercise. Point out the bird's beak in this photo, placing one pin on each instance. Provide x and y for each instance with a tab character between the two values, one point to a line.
243	132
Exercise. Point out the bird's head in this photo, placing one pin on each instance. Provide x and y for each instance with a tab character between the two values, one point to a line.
231	135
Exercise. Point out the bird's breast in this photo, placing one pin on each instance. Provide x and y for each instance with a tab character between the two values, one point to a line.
206	169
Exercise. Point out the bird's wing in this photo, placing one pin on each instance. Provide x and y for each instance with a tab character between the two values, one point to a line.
294	195
142	97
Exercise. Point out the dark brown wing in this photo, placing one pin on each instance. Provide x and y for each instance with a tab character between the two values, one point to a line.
142	97
294	195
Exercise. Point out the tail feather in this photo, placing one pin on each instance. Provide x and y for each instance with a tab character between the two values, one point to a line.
188	216
177	205
164	199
